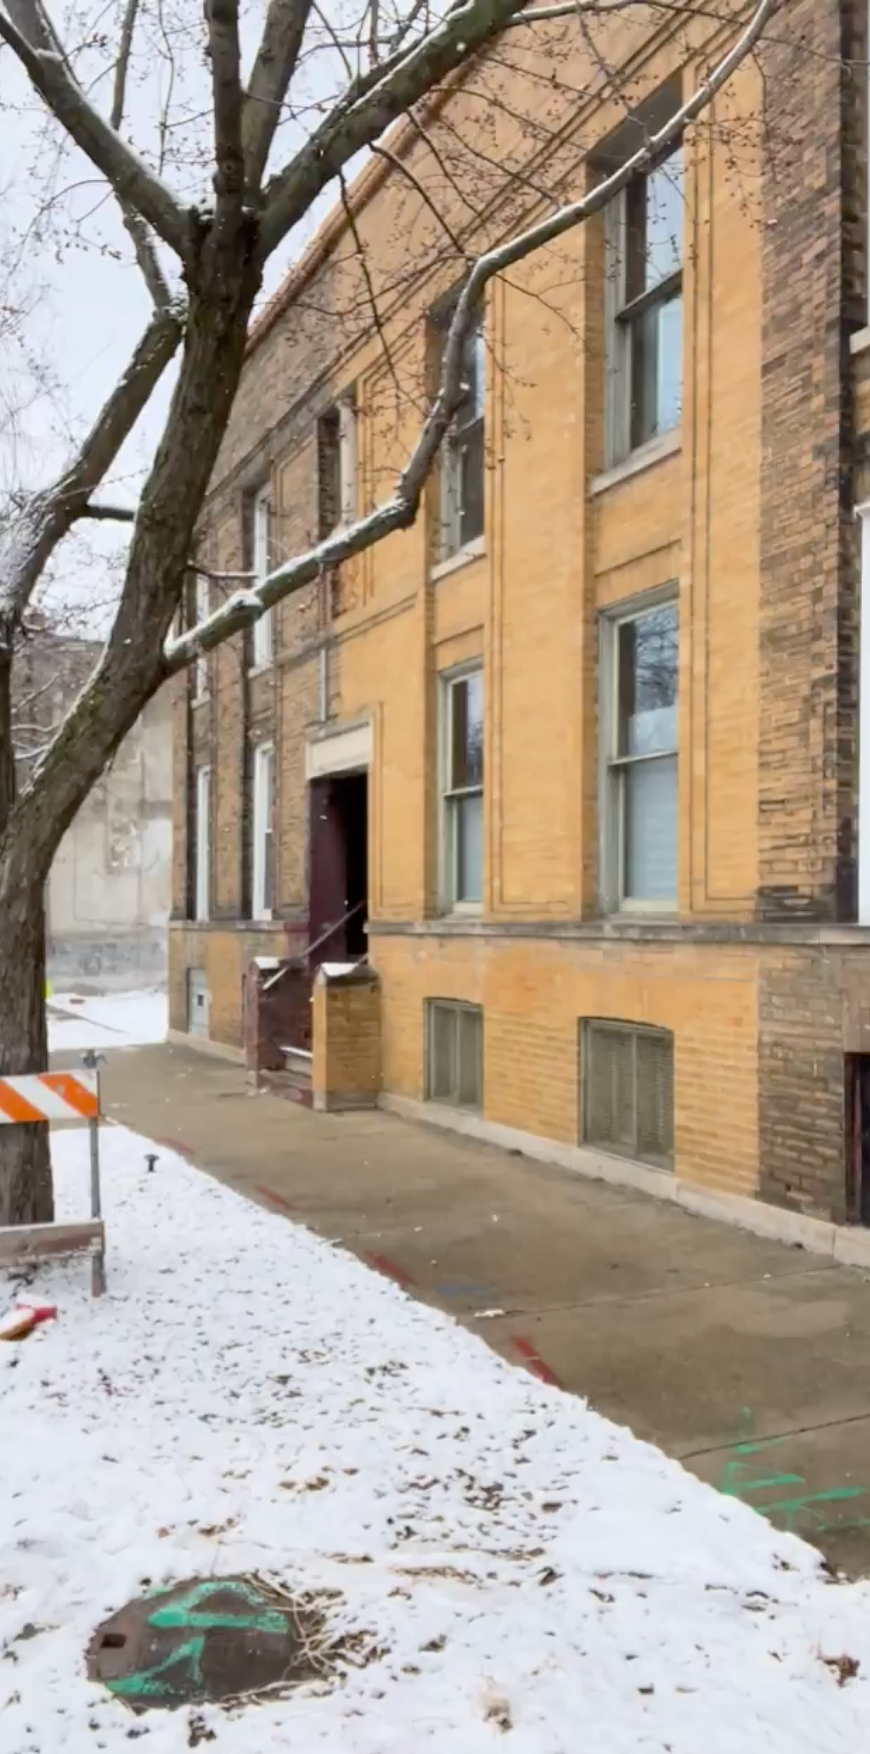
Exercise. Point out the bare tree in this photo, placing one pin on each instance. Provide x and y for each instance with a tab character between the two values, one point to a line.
203	262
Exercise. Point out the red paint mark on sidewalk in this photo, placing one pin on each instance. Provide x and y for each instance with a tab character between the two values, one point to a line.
535	1363
383	1264
274	1199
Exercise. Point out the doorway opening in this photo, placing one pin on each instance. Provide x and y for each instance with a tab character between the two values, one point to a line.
858	1138
338	868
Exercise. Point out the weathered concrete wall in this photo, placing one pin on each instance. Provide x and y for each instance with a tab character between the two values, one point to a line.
109	891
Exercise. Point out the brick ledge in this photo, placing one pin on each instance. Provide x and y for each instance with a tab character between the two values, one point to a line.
686	931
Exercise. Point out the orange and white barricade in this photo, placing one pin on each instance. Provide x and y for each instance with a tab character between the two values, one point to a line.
57	1096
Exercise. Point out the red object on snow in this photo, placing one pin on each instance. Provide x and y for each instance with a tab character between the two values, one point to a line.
22	1320
41	1312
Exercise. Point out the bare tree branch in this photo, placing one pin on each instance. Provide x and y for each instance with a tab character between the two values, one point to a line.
143	245
400	511
26	29
32	535
375	100
399	165
222	18
270	79
369	286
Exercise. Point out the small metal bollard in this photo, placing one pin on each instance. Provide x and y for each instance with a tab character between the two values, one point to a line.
93	1061
150	1159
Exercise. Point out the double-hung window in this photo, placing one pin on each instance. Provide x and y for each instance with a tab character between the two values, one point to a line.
462	459
640	697
262	643
263	877
462	789
645	261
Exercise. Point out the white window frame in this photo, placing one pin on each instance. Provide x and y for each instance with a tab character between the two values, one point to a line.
262	644
612	767
619	446
202	843
448	798
263	826
202	608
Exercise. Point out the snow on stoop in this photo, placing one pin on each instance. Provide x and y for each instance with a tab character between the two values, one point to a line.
503	1566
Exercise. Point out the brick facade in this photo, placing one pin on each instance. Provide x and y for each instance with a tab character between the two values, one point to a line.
746	514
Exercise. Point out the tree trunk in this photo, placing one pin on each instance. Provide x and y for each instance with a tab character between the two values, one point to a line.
25	1165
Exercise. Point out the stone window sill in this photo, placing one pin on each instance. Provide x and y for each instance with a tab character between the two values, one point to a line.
860	343
462	557
645	457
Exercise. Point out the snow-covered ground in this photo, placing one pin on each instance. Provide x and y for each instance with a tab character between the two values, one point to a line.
117	1020
524	1574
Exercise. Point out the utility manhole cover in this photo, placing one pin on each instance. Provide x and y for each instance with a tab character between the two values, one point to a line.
206	1639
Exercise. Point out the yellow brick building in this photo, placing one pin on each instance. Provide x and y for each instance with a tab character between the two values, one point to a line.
575	758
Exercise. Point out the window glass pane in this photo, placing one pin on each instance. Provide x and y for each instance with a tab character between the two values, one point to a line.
262	534
650	830
469	458
609	1100
656	370
664	220
469	847
328	471
470	1082
648	682
644	331
669	365
466	767
635	240
473	354
655	1096
462	456
628	1098
442	1041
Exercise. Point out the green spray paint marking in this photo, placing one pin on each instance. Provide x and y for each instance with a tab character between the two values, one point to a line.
191	1613
792	1507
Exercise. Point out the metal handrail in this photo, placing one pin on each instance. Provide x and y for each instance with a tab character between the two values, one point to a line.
309	948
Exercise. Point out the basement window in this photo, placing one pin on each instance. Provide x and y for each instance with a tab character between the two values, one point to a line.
454	1054
627	1091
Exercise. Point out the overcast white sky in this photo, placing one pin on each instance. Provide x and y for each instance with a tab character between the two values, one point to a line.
90	304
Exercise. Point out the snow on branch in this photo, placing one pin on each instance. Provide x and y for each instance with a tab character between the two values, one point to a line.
25	27
398	512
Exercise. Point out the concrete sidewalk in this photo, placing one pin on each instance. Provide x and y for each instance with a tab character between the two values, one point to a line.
748	1360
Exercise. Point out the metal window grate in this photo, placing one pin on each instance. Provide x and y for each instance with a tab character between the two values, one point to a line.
455	1054
627	1092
